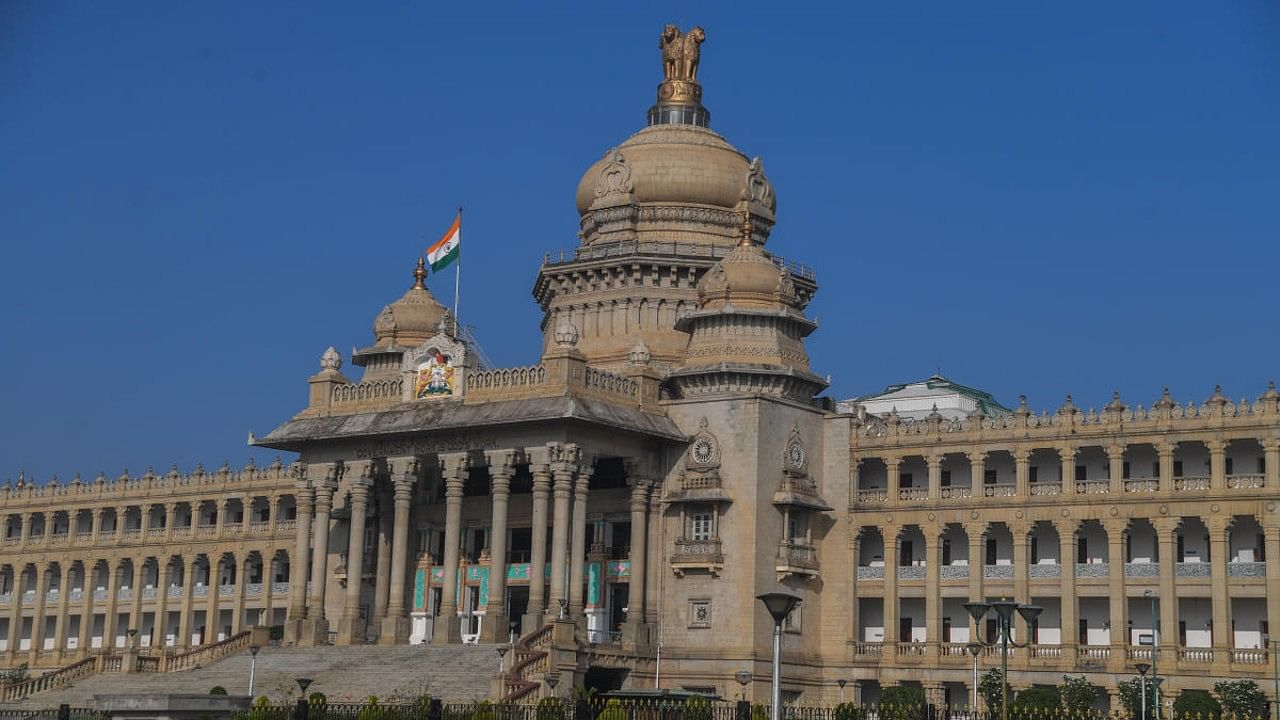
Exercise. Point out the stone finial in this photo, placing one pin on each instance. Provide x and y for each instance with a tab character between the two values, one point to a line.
1165	401
1068	407
1271	393
447	324
1115	406
934	417
1217	398
420	275
639	353
566	333
1022	410
330	361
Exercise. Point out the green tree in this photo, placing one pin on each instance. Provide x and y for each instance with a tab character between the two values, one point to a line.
371	710
1196	705
1242	698
1131	697
759	712
217	690
1078	694
991	688
484	710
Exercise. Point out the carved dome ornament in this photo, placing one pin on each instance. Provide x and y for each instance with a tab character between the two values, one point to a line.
330	360
639	353
794	456
759	191
566	333
615	176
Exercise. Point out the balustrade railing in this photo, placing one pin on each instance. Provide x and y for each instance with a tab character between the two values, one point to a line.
1195	655
797	555
863	648
1045	488
1188	483
1237	482
1141	485
909	649
913	493
957	492
1250	656
999	490
1093	487
1093	652
874	495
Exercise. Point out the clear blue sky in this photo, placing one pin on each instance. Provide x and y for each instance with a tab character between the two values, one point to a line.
196	199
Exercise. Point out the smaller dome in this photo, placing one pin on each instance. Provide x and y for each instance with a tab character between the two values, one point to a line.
413	318
746	277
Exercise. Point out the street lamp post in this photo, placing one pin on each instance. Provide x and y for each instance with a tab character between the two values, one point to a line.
1155	651
1003	610
779	606
1142	669
253	665
502	653
841	682
301	712
744	678
974	649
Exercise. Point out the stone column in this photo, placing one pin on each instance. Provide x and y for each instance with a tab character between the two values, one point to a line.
893	477
43	572
24	528
448	626
578	546
317	625
350	627
933	591
1219	528
15	613
1068	603
563	473
269	565
1165	451
211	614
64	599
1167	535
934	461
855	543
501	467
1217	465
109	619
237	607
1021	534
1116	529
975	531
221	521
395	626
188	596
654	561
163	578
541	471
890	612
97	524
1271	463
135	599
1271	543
635	630
87	611
300	561
170	515
1067	454
382	573
977	472
1115	467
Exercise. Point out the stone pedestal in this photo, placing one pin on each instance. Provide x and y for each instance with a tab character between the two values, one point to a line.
314	631
351	631
447	630
293	632
395	631
636	635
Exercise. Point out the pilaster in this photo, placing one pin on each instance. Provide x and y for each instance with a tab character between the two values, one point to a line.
448	627
395	627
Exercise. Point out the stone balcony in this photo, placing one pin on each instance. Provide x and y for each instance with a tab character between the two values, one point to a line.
697	556
1181	484
796	558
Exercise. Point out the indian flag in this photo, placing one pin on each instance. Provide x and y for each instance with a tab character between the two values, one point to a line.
446	250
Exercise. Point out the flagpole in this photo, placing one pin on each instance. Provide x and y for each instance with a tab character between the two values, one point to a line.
457	277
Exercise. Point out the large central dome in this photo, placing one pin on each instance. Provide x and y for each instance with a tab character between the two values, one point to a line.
676	180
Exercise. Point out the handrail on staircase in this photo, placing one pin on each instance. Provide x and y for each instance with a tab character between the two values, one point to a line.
528	650
220	649
49	680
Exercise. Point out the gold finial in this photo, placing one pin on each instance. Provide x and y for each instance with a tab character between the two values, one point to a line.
747	240
420	275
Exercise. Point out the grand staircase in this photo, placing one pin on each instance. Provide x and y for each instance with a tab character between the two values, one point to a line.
343	674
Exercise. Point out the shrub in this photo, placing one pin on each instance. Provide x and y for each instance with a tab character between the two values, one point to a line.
549	708
217	690
1036	701
1242	698
850	711
371	710
276	632
317	698
696	708
900	702
1197	705
613	710
759	712
1078	694
484	710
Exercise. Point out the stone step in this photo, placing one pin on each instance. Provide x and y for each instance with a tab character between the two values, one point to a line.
343	674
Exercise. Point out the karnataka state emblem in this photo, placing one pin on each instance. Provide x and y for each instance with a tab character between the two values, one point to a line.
435	376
